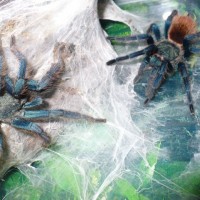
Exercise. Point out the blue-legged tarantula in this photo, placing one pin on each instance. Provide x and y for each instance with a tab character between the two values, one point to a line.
165	56
21	100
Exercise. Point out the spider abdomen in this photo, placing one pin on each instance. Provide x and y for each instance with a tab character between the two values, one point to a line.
180	27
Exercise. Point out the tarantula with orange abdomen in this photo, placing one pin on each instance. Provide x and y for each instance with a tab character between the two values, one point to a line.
21	102
164	56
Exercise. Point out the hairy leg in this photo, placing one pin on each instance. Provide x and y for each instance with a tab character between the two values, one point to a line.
19	85
50	77
168	22
191	44
151	49
159	72
30	126
184	74
34	103
45	114
131	38
144	65
154	29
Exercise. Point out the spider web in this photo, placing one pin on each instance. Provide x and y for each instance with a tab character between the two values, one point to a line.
89	160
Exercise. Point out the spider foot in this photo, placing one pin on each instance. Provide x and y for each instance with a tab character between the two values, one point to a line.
99	120
192	109
111	62
186	81
146	101
148	51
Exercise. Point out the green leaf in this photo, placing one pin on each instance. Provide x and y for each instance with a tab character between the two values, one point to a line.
171	169
152	157
17	186
64	176
190	182
124	189
115	28
15	179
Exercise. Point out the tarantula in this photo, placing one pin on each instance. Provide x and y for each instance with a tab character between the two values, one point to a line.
21	100
164	56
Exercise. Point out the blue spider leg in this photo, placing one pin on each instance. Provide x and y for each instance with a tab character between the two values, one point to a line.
191	37
157	77
20	57
184	74
144	65
194	50
153	28
9	85
47	80
34	103
132	38
168	22
148	51
30	126
45	114
19	85
50	77
188	42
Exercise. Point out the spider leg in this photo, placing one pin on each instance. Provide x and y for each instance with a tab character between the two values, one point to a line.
191	37
133	38
30	126
151	49
189	44
157	77
153	28
45	114
34	103
9	85
184	74
20	57
168	22
194	50
141	70
50	77
19	85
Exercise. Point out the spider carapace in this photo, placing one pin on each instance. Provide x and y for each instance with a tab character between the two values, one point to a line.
165	54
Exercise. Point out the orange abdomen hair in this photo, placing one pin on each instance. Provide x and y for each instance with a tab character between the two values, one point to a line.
180	27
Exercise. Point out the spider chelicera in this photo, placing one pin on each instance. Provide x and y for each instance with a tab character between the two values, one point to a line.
164	56
21	101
